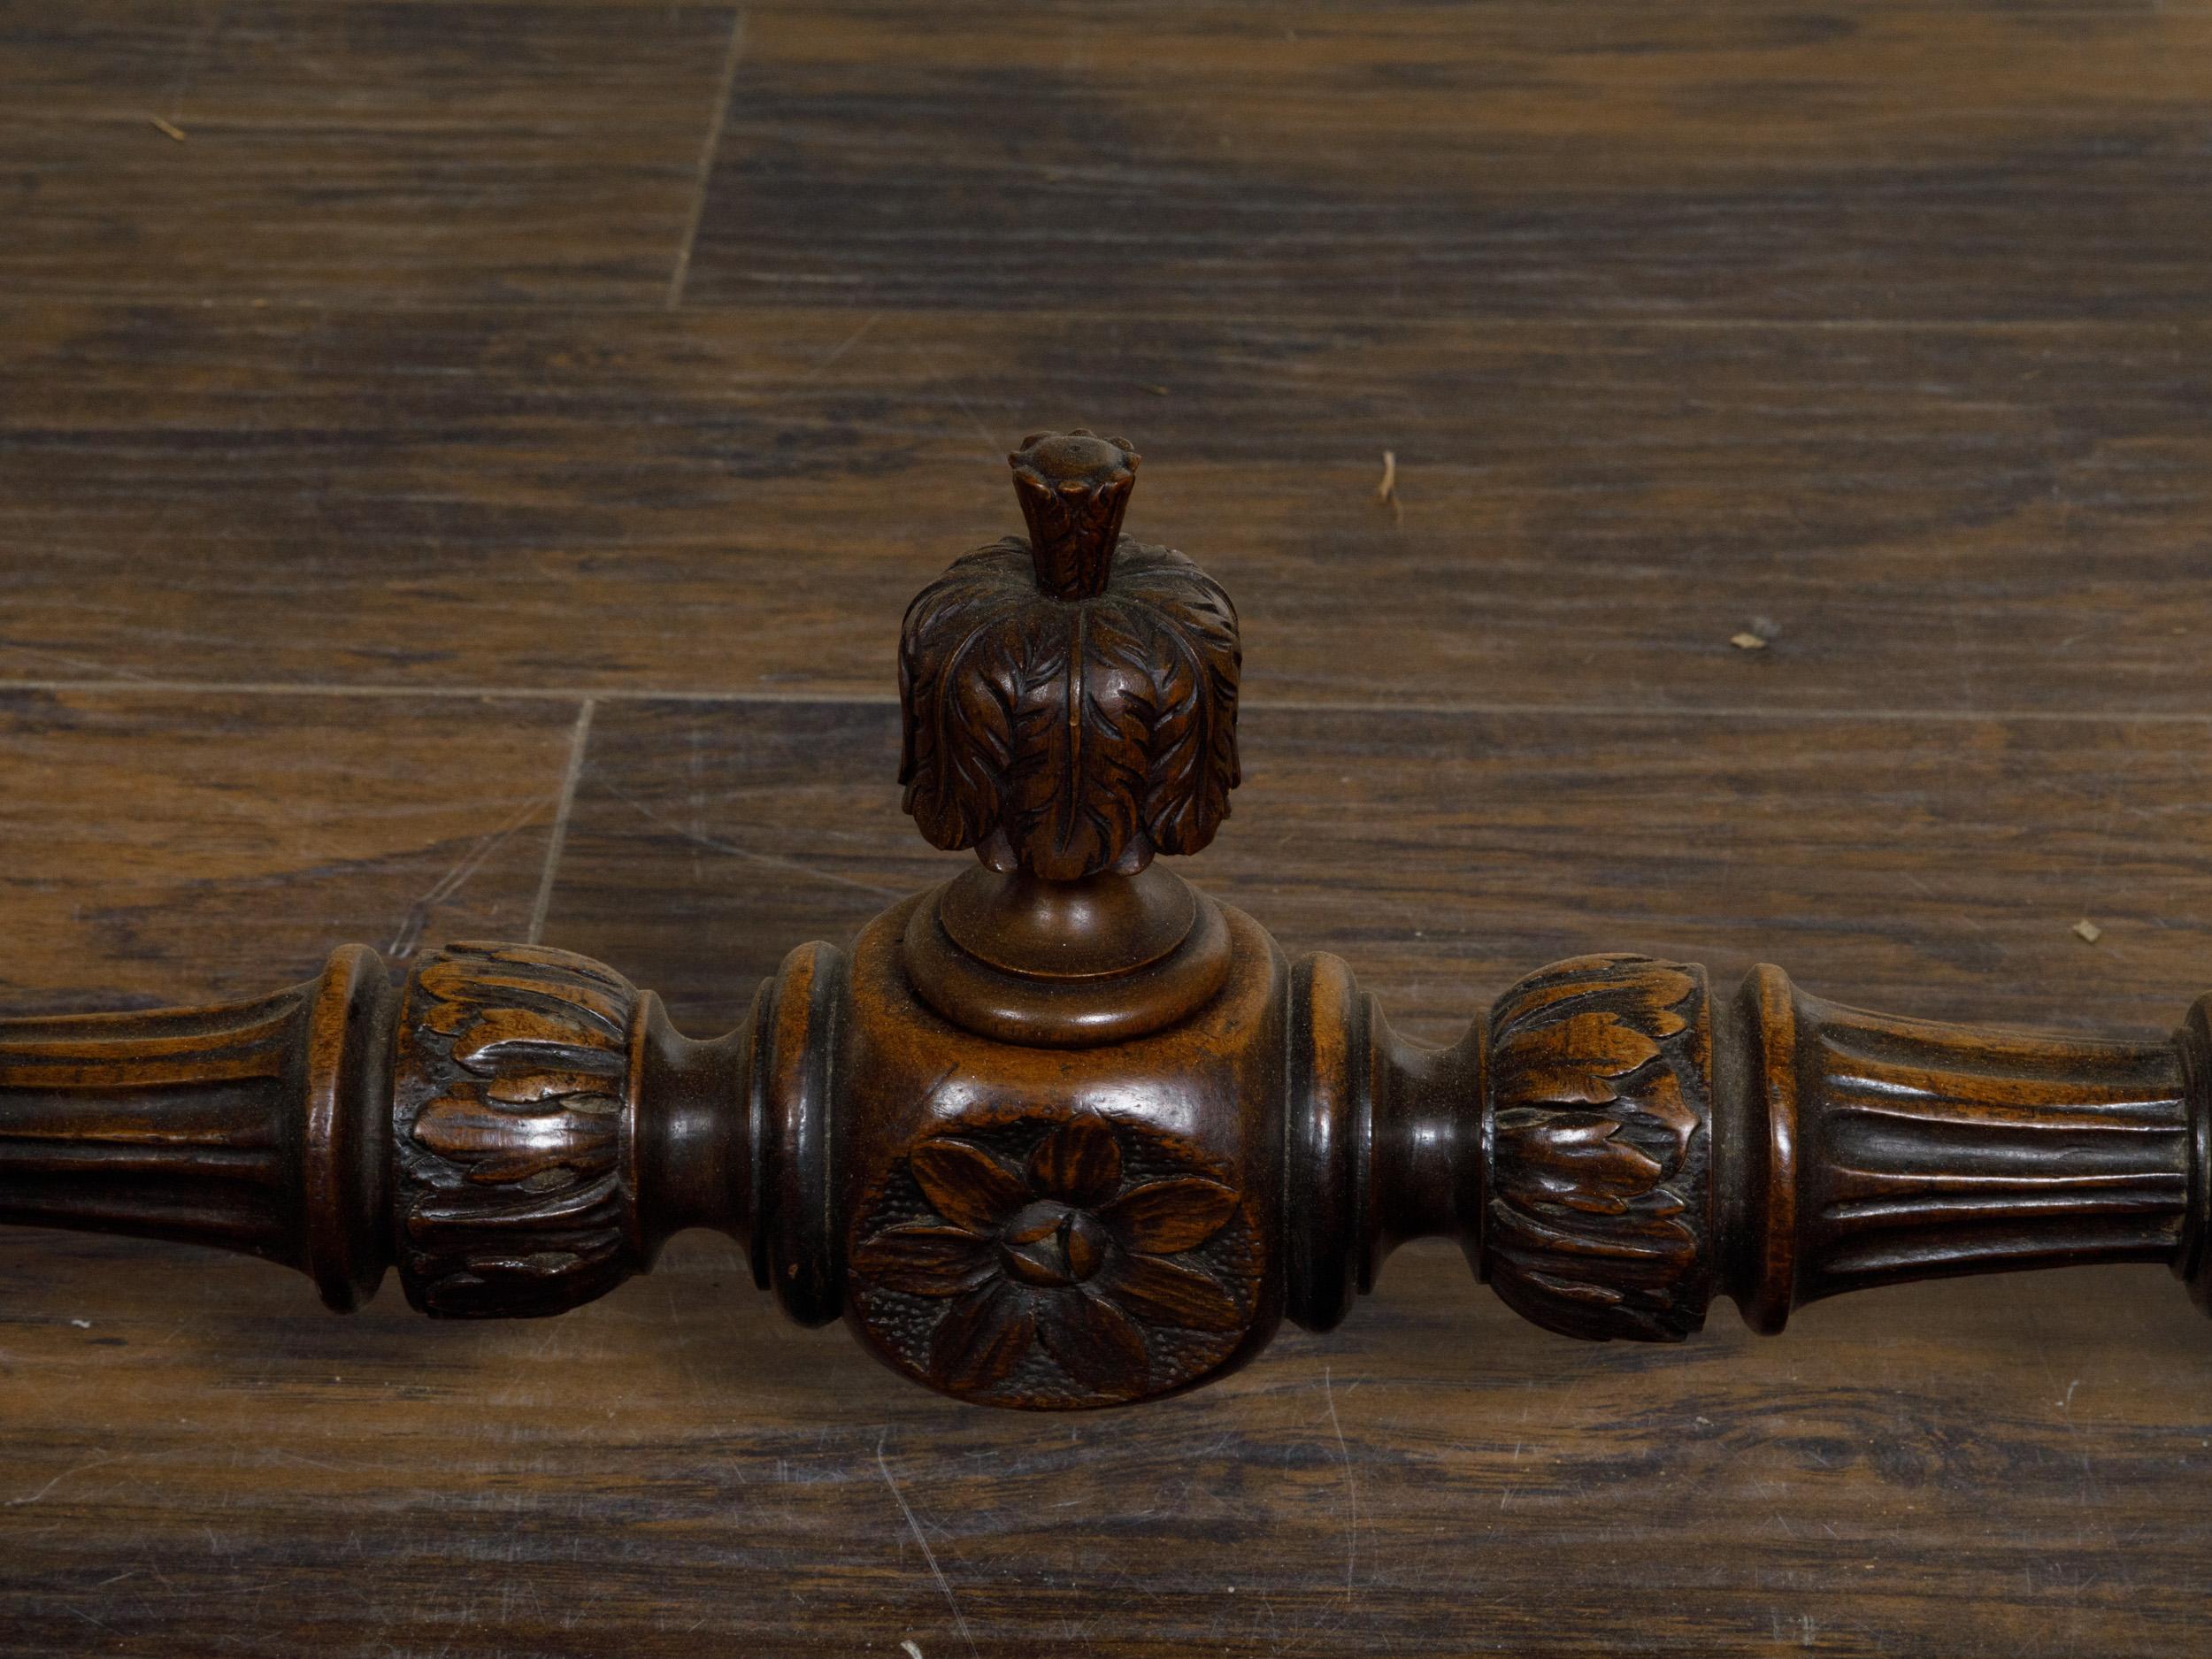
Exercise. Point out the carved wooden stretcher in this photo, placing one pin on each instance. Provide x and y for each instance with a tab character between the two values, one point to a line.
1062	1131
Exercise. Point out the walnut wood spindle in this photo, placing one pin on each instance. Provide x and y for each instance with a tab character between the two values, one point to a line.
259	1126
1062	1131
1868	1149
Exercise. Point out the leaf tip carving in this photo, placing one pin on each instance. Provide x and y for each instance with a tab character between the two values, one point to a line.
1599	1101
1080	735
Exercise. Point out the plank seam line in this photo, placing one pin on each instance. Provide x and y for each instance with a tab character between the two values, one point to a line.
35	293
1290	705
716	122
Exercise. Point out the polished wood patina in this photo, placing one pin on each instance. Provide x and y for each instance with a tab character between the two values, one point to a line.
1064	1131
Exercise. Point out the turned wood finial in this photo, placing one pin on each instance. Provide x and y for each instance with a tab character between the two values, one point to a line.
1070	702
1073	488
1070	712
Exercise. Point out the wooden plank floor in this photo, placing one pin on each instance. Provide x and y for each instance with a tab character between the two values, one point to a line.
461	466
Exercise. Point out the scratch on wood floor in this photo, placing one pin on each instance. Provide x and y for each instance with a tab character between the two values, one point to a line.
14	1504
409	932
715	844
959	1619
991	444
189	63
831	356
1351	1485
558	841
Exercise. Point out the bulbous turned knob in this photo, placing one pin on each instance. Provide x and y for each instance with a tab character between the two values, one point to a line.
1070	703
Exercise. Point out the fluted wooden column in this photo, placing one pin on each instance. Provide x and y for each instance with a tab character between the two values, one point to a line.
1874	1149
262	1126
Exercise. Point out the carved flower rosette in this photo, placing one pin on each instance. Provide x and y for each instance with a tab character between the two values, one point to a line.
1070	736
1047	1262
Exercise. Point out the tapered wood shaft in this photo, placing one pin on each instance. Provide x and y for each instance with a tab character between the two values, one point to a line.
262	1126
1875	1149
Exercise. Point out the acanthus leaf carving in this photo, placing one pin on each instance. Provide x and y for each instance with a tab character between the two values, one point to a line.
1600	1166
1070	736
1074	792
507	1128
1194	763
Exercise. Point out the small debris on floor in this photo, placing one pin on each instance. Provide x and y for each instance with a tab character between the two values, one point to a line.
2089	930
1387	492
1747	641
1157	391
167	129
911	1648
83	1325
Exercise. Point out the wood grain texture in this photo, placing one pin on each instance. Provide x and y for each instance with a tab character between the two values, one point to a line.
1979	519
1434	1477
153	846
1885	324
398	153
1937	863
1411	160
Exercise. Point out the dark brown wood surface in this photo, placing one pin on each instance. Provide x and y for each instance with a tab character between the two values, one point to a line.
467	487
